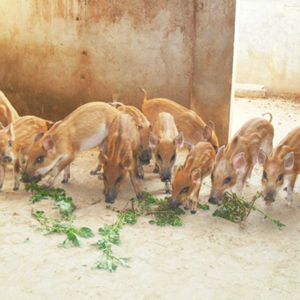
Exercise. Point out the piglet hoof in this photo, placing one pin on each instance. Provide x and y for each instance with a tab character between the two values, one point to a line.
186	208
139	196
193	212
93	172
46	187
168	192
15	189
64	181
285	189
288	204
155	170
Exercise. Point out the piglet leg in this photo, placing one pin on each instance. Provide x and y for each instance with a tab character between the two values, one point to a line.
2	173
135	181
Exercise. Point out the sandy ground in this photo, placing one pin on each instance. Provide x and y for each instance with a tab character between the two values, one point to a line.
206	258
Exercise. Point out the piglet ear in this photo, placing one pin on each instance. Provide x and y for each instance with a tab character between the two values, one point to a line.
211	125
288	161
189	145
12	132
207	133
125	163
49	144
178	140
196	175
153	140
102	158
220	153
262	157
39	136
239	162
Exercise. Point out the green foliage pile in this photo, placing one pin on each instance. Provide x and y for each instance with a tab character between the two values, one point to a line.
237	210
233	208
62	225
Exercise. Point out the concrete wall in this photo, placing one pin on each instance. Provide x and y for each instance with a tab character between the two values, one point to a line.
268	44
57	55
213	63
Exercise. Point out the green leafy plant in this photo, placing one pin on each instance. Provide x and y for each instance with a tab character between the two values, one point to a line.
237	210
53	225
160	209
65	204
110	236
203	206
66	207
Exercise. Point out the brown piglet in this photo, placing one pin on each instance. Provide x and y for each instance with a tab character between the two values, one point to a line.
145	151
186	120
188	178
123	144
165	140
281	167
234	163
16	141
83	129
7	112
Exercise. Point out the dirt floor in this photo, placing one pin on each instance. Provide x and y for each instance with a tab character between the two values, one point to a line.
206	258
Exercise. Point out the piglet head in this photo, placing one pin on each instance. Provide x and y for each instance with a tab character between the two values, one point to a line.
275	169
41	158
225	174
114	174
184	184
165	153
7	139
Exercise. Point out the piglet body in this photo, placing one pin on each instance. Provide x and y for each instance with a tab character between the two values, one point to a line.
165	141
234	163
16	141
8	114
83	129
188	178
123	144
187	121
281	167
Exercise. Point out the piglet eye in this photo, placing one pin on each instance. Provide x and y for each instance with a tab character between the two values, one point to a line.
9	144
265	175
159	157
119	179
40	160
216	148
173	157
280	178
227	180
185	190
212	177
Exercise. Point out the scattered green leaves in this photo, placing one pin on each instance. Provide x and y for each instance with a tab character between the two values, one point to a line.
236	209
203	206
110	236
52	225
66	207
65	204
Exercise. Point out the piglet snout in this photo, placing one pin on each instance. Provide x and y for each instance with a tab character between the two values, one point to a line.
110	196
173	204
213	200
6	159
270	197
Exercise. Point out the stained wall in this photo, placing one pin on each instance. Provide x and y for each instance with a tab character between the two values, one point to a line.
57	55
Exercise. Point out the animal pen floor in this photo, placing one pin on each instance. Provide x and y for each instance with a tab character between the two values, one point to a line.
206	258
